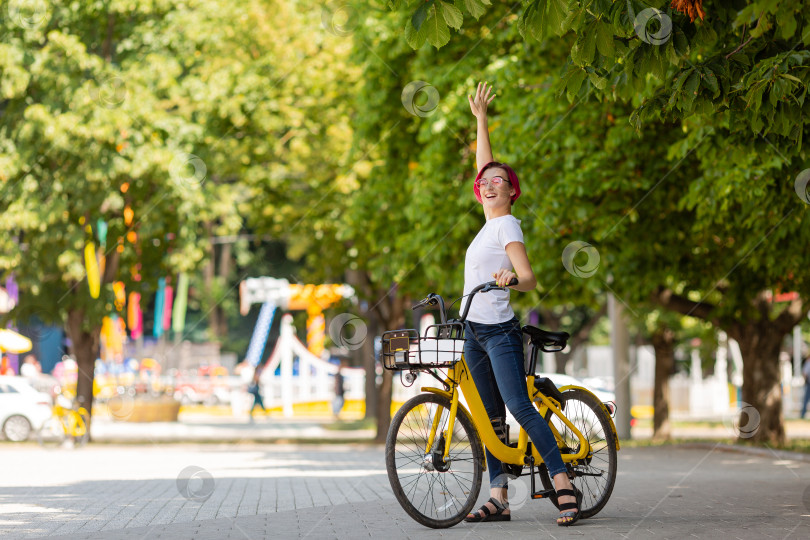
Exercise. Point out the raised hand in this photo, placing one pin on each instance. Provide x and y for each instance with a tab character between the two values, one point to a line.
478	106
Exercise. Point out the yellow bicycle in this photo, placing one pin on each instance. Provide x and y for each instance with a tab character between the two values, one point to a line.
66	423
433	452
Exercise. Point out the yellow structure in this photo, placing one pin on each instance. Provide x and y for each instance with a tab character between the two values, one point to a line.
314	299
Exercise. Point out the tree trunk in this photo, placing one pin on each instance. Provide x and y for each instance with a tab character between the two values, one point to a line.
663	341
393	316
761	411
370	366
359	280
760	338
579	336
209	273
84	345
225	259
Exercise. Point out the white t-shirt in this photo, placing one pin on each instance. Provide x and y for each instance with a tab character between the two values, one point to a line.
485	256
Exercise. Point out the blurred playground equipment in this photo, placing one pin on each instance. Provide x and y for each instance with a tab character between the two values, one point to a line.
275	293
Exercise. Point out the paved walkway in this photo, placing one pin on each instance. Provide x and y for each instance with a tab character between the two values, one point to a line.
213	428
206	428
341	491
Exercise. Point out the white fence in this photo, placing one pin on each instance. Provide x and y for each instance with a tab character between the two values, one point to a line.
690	395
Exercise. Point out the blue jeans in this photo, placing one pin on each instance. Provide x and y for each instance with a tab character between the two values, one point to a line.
494	355
806	398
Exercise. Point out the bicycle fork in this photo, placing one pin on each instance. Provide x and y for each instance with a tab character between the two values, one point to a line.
437	452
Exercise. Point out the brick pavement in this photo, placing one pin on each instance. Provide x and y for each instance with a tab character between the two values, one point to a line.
266	491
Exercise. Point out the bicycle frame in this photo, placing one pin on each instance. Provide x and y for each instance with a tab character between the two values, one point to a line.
72	420
459	378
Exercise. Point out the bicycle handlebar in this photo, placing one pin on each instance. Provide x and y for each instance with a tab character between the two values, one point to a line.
433	299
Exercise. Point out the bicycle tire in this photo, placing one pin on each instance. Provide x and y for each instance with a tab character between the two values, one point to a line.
585	411
51	433
435	498
80	429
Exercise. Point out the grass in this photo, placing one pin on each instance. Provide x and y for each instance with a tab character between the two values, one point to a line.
350	425
792	445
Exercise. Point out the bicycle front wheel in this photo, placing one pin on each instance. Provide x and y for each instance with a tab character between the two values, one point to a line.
79	428
437	493
595	475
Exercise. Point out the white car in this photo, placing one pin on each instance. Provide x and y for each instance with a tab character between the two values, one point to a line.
23	410
560	379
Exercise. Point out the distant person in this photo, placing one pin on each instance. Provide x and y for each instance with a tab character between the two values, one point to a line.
30	367
806	373
5	368
254	389
340	390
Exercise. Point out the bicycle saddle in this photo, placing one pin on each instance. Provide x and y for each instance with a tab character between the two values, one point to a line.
542	338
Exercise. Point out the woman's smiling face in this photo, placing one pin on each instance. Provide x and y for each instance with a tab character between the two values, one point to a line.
493	195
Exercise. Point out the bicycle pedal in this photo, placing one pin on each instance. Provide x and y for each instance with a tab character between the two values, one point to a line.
544	494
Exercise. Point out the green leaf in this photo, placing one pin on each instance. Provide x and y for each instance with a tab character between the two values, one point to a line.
571	19
597	80
604	39
679	82
574	83
555	13
474	7
438	34
657	66
690	88
710	80
451	14
530	22
680	42
421	14
787	24
415	38
587	44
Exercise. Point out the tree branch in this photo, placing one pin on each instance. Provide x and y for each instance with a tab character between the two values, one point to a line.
669	300
790	316
750	37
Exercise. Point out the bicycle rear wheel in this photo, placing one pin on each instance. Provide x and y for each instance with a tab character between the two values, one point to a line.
596	474
435	492
52	433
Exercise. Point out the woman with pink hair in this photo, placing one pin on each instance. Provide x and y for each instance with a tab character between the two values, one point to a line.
494	343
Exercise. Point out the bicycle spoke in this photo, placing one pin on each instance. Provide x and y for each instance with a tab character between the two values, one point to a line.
435	491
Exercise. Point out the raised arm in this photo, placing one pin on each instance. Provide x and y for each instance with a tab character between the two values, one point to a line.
478	106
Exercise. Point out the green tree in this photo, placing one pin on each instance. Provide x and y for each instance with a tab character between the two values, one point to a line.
719	106
167	110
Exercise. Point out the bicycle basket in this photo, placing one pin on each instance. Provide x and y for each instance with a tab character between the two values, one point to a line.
441	346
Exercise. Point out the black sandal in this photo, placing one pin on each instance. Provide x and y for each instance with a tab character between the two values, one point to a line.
573	514
498	515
